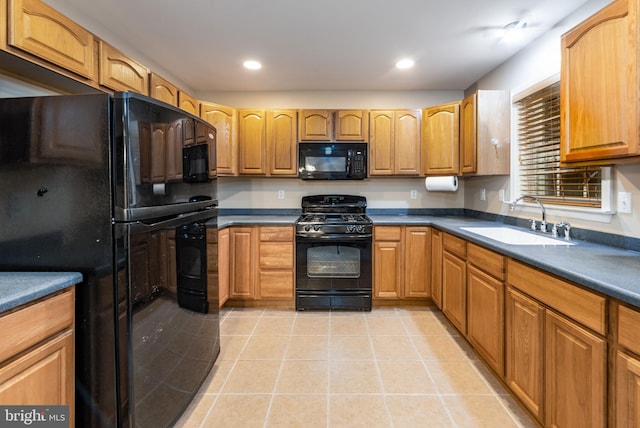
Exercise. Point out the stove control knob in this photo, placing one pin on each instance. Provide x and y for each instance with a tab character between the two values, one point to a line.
350	228
307	228
360	228
316	227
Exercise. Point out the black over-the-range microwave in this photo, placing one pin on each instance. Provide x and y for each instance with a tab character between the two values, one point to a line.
332	160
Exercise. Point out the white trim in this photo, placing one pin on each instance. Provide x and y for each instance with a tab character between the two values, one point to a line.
601	215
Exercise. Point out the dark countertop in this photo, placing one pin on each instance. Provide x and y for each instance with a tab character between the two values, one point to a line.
17	288
609	270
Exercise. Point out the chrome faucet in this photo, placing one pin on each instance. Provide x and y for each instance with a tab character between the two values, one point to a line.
543	223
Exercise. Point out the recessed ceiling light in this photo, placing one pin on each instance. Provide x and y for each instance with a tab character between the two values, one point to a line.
404	63
252	65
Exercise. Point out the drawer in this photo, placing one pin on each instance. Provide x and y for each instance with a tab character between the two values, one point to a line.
628	331
32	324
276	255
387	233
455	245
583	306
276	233
486	260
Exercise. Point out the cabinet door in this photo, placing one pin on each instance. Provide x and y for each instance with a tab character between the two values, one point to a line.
454	290
252	142
407	142
163	90
436	267
44	375
282	142
223	265
223	118
417	260
524	350
121	73
486	317
387	273
241	254
599	86
627	392
352	125
41	31
575	379
381	143
275	269
188	103
441	139
315	125
468	129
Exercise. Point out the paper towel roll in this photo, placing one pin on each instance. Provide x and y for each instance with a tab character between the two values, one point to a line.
158	189
441	184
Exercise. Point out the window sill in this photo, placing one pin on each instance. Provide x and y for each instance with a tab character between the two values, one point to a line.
560	213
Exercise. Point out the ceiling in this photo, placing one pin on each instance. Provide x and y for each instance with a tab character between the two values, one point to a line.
317	45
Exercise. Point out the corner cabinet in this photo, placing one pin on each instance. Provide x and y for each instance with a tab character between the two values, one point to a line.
441	139
599	87
485	133
394	142
224	119
37	353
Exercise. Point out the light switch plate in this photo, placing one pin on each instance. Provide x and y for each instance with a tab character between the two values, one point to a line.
624	202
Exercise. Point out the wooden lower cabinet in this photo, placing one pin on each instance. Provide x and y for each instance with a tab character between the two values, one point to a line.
37	365
627	391
454	290
485	316
223	266
401	260
436	267
261	263
524	347
554	365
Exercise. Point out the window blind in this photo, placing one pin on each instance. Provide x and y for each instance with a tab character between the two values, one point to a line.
539	154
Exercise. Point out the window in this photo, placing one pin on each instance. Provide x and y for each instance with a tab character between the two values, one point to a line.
538	134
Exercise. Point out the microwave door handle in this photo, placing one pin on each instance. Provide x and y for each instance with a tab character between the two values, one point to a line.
349	157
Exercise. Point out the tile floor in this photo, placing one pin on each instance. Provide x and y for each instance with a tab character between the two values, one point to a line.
385	368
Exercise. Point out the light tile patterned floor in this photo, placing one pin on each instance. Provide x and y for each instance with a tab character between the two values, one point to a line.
386	368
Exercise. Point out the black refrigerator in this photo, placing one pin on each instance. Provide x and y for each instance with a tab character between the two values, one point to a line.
121	188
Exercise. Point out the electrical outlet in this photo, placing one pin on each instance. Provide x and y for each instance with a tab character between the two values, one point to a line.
281	194
414	193
501	195
624	202
483	194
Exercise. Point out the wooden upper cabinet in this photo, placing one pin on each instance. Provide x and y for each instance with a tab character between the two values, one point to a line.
599	86
352	125
381	143
485	133
282	139
315	125
188	103
163	90
39	30
223	118
121	73
441	139
394	142
252	142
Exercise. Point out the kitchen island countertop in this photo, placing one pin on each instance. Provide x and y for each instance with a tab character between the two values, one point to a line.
17	288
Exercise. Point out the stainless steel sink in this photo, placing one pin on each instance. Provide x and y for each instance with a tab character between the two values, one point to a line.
512	236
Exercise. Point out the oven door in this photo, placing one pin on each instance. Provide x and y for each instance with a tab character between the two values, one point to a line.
333	272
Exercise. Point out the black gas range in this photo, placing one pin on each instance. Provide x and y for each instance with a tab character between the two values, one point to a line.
333	253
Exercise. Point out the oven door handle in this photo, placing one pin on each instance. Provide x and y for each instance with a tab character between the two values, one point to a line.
338	237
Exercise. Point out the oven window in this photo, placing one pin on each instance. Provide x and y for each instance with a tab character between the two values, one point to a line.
333	261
